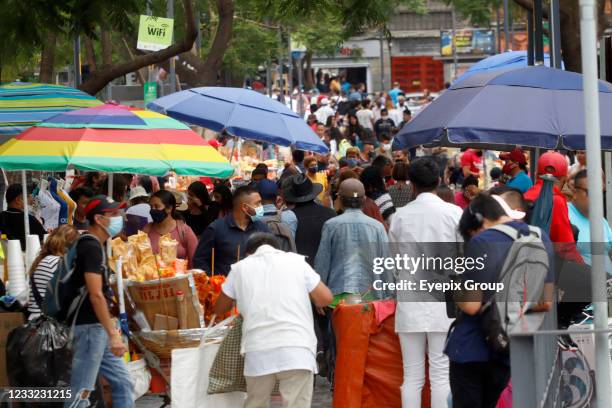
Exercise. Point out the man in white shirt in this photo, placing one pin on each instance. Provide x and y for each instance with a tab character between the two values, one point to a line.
324	112
273	290
365	116
426	224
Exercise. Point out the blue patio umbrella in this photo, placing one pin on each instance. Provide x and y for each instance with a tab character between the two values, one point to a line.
532	107
240	112
504	61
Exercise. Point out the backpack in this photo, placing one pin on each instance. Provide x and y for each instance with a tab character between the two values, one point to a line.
281	231
60	302
523	275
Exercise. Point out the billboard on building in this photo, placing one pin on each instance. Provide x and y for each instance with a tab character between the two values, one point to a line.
468	41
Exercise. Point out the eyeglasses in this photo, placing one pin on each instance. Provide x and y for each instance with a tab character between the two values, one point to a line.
586	190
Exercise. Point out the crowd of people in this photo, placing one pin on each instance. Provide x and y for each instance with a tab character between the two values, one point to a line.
295	247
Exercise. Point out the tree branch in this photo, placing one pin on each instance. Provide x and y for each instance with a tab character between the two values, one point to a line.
101	77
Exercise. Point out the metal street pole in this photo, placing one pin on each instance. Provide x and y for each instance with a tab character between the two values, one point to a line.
280	66
555	34
530	40
77	61
588	41
170	14
290	75
497	26
539	32
506	31
300	82
454	44
382	62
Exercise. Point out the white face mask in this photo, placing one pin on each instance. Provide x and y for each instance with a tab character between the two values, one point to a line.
385	117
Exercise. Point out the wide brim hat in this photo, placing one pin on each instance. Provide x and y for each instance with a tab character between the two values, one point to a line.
301	189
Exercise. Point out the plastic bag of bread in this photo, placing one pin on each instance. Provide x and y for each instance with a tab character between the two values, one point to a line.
148	268
167	249
142	246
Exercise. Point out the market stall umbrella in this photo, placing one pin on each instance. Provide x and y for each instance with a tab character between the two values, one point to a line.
532	107
503	61
113	138
24	104
240	112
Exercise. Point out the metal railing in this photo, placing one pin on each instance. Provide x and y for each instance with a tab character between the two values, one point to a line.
542	372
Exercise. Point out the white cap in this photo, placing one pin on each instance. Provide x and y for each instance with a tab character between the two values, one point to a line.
514	214
138	191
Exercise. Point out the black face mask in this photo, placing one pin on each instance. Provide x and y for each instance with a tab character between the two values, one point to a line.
158	215
312	170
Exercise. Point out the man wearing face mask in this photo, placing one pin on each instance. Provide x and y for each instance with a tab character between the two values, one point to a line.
98	347
227	236
514	167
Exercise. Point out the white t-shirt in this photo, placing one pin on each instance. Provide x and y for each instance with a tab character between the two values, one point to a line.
271	289
364	117
323	113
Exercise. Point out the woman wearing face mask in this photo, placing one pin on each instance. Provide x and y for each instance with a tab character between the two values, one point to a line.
166	220
316	176
354	131
197	215
221	204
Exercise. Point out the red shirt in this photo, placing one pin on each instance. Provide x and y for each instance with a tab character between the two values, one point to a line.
470	158
561	233
460	200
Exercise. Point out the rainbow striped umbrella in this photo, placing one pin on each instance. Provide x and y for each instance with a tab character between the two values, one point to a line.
113	138
24	104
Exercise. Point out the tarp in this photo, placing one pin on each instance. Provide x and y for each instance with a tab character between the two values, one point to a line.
369	370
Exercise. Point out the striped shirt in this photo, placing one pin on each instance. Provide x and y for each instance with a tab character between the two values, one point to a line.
385	204
42	275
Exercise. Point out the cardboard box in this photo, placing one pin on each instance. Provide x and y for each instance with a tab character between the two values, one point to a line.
159	297
8	322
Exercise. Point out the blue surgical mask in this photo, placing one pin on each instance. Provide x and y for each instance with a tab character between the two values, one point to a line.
259	213
115	226
352	162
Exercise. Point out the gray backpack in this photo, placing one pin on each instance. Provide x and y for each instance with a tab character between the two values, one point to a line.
523	275
280	231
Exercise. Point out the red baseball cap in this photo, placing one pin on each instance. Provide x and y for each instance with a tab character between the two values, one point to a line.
515	155
102	204
553	160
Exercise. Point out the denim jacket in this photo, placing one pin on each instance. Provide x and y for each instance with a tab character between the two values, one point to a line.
349	244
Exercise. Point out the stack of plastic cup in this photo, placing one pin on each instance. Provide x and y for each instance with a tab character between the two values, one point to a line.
32	249
16	269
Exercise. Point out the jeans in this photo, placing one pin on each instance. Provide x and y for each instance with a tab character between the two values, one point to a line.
92	355
478	384
414	346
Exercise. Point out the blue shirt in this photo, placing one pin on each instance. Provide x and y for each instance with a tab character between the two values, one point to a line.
521	182
349	243
466	343
287	217
394	93
227	238
584	236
